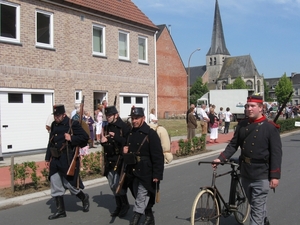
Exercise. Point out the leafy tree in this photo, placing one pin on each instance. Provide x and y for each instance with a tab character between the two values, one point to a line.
198	89
238	83
266	92
283	89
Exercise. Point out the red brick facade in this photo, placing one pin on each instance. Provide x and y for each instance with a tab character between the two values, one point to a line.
171	78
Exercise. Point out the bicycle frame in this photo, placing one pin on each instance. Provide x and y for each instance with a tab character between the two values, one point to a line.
230	205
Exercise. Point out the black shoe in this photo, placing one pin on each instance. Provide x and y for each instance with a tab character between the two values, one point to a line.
125	206
85	201
135	219
149	218
266	221
118	208
60	206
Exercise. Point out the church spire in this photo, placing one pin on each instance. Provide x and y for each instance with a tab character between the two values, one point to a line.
218	45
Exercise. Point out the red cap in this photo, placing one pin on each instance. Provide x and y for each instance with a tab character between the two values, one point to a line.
255	98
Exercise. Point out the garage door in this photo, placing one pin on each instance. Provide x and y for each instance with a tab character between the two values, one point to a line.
128	100
23	114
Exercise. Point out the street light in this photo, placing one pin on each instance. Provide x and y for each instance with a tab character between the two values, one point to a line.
189	76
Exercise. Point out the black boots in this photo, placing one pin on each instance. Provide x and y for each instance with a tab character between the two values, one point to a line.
266	221
60	206
118	208
85	201
125	206
149	218
135	219
122	206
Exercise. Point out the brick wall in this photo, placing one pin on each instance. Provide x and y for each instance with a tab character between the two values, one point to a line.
171	78
70	65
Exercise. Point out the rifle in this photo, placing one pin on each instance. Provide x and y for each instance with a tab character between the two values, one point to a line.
282	107
72	167
122	178
115	101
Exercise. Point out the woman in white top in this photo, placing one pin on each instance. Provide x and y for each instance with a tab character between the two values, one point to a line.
152	117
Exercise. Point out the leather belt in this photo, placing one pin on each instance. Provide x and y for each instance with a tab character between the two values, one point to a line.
251	160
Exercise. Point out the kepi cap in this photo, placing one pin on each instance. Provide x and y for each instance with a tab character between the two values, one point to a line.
137	111
255	98
58	110
110	110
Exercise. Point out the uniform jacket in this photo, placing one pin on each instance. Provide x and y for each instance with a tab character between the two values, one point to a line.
79	138
259	140
113	148
150	163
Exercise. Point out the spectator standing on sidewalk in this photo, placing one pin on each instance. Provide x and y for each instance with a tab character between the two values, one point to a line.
260	159
221	118
191	125
214	124
203	119
228	116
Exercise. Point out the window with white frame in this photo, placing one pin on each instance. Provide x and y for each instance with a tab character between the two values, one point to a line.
78	96
123	45
9	22
98	40
44	29
143	49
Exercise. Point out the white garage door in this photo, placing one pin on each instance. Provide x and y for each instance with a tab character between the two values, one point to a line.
23	114
128	100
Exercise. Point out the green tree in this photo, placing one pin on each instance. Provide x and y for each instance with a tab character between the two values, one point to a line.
266	92
283	89
238	83
198	89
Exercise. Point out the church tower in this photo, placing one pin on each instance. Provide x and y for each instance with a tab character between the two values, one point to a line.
218	51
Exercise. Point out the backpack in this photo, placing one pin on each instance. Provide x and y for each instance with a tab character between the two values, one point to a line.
165	141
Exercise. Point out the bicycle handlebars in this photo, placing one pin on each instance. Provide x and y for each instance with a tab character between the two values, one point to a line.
232	161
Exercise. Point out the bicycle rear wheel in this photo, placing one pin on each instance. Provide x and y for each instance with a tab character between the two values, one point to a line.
241	201
205	209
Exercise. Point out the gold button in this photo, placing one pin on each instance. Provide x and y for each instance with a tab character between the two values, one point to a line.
252	144
133	169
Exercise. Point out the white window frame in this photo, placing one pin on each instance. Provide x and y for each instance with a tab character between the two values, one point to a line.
79	94
127	45
99	27
51	44
17	39
145	50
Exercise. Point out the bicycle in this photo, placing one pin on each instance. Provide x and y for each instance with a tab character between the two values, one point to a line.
207	204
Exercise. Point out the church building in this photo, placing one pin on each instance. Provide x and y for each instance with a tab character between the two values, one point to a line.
221	68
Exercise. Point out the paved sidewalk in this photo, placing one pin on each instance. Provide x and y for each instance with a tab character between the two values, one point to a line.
5	178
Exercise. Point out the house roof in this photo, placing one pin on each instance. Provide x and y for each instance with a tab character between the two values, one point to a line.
124	10
239	66
218	45
195	72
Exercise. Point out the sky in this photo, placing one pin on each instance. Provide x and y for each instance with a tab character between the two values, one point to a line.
268	30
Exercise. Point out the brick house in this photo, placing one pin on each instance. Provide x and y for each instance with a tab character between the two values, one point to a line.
56	51
171	77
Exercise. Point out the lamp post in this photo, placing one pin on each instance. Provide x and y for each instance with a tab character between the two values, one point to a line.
189	76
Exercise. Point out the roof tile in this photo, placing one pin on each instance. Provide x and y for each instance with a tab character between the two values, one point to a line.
122	9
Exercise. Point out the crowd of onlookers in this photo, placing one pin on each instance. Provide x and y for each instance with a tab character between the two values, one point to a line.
211	121
290	111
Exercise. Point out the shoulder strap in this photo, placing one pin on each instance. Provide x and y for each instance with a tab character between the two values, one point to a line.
138	151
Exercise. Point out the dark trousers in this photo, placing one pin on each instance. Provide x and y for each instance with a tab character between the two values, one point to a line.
226	128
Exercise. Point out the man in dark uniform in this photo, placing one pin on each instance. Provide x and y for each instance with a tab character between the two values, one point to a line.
144	175
64	136
113	141
261	156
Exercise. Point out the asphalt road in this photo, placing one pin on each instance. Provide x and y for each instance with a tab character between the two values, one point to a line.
180	186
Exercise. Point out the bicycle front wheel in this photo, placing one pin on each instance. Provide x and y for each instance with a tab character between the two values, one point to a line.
205	209
241	201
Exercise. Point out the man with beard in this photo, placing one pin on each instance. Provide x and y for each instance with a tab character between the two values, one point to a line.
65	135
145	170
260	159
113	141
